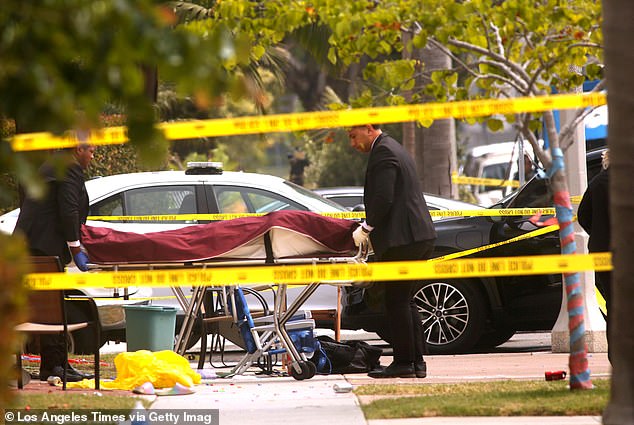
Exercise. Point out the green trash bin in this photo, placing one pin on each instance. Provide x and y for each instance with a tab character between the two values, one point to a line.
150	327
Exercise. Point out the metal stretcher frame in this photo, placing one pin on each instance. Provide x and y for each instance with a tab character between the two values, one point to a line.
280	319
283	237
280	316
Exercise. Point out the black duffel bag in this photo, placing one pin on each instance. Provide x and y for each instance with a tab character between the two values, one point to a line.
345	356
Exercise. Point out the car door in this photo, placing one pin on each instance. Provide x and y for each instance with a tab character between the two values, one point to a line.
532	301
152	200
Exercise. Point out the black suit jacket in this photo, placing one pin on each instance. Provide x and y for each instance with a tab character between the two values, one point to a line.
50	222
594	213
394	202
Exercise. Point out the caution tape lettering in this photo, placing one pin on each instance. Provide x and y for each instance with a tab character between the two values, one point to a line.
335	273
320	119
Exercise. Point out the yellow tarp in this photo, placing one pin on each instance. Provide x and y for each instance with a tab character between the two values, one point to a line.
162	368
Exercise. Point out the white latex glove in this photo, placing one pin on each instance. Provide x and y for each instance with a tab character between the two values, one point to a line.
360	235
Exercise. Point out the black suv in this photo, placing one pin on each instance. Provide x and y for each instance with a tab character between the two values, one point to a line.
462	315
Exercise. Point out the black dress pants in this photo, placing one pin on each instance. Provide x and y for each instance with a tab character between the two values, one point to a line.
404	320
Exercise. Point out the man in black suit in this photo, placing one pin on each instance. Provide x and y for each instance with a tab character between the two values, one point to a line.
400	228
51	226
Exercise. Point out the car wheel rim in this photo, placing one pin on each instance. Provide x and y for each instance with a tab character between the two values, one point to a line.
444	311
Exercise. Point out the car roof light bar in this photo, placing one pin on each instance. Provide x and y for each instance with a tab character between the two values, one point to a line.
204	167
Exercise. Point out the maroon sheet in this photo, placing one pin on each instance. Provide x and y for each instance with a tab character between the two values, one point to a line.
293	233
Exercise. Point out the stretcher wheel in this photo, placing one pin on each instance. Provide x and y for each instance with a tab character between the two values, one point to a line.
308	371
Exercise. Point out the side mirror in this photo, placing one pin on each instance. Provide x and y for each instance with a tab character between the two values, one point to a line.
358	207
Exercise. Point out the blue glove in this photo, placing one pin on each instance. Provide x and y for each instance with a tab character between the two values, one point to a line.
81	261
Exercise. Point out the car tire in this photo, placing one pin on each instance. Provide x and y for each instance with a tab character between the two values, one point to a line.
453	315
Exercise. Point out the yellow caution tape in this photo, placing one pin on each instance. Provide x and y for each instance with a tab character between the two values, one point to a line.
496	212
321	119
129	298
601	301
45	140
456	179
207	217
576	199
325	273
480	181
528	235
493	212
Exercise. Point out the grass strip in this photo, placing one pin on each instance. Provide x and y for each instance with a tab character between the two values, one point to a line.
76	401
89	399
499	398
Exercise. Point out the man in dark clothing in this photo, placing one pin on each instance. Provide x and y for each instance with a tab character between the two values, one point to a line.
52	227
298	162
529	169
400	228
594	216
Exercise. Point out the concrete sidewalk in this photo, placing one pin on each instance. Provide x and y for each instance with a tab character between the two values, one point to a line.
262	400
250	400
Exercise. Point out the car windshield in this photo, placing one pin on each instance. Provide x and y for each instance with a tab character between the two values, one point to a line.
536	193
313	195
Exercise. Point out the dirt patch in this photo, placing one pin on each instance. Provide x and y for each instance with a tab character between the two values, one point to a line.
38	387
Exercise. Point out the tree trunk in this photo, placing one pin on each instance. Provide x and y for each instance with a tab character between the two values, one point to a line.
433	148
578	360
618	16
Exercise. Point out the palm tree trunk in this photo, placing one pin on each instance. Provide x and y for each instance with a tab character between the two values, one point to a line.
618	16
433	148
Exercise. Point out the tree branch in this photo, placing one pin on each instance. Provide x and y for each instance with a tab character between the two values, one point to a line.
502	59
512	78
498	38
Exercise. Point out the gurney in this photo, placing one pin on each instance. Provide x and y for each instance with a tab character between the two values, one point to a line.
279	238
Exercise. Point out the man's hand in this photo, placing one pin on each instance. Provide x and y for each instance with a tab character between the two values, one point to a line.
81	261
360	235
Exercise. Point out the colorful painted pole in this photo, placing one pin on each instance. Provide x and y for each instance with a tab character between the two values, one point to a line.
578	361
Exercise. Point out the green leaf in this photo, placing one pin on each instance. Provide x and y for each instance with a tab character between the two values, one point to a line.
408	85
535	125
594	71
420	40
332	55
426	122
494	124
258	51
451	79
437	77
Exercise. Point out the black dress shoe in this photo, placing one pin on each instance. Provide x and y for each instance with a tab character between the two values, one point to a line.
394	370
79	373
59	371
420	368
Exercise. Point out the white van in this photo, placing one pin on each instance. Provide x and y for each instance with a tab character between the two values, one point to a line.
495	161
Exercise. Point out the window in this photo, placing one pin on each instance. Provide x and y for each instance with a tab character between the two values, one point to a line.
158	200
232	199
231	202
108	207
348	201
539	196
494	171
